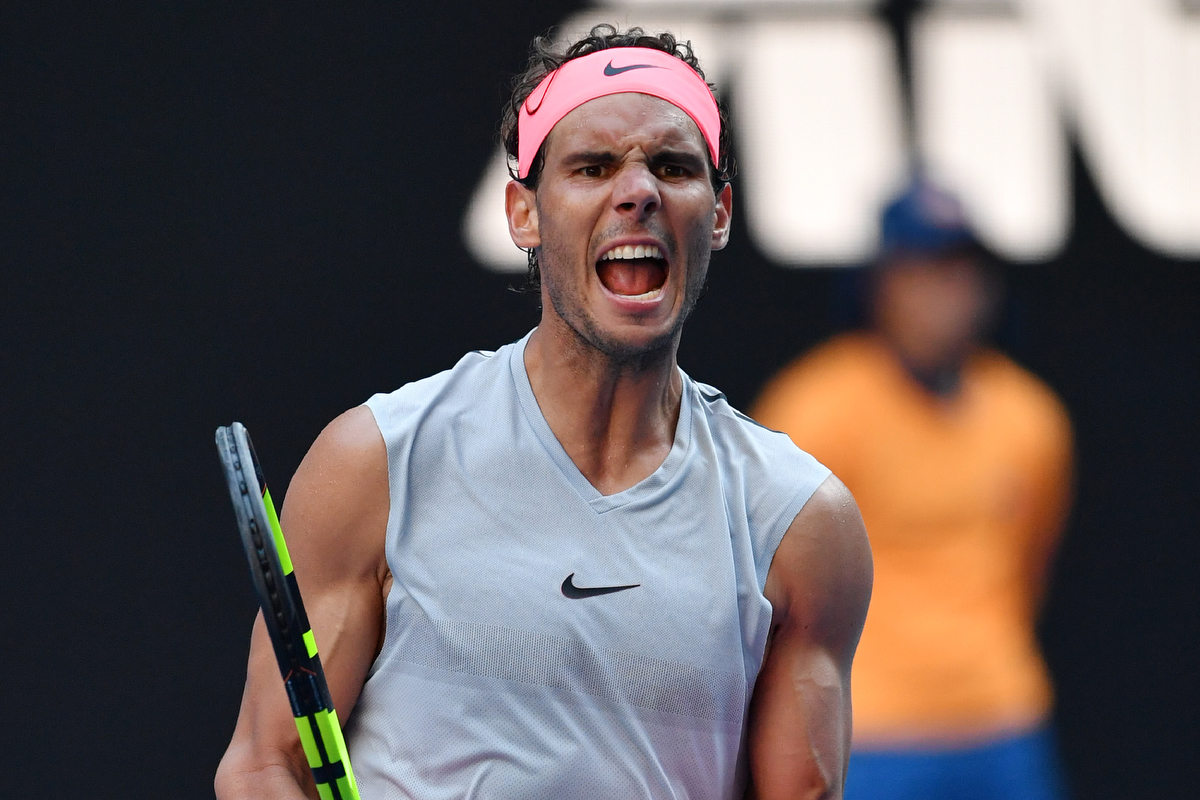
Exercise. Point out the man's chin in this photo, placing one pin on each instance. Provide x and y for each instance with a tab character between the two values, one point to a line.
633	344
617	336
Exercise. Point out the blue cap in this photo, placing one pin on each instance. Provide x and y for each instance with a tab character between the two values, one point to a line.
924	218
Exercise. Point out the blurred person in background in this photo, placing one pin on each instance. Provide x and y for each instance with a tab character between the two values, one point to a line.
960	461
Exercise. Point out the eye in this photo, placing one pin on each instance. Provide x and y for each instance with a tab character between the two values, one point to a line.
592	171
673	171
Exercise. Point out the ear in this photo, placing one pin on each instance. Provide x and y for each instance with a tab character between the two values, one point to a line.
724	218
520	205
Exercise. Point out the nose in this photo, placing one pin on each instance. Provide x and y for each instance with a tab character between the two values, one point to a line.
635	191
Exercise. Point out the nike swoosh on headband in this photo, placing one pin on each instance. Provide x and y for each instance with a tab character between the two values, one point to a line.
610	70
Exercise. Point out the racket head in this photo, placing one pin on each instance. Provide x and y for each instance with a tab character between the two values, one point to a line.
280	602
283	612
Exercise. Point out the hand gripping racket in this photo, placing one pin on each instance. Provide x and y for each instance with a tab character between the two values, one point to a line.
283	611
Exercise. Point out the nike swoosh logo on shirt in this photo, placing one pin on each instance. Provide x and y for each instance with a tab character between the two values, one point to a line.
569	589
610	70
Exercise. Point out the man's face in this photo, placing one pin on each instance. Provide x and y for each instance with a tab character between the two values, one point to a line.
625	220
933	308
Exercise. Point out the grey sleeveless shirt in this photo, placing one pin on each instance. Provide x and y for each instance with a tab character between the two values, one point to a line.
504	671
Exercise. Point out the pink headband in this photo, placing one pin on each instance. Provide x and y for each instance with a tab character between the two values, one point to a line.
612	71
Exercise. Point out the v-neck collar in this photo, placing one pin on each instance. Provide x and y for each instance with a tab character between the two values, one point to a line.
600	503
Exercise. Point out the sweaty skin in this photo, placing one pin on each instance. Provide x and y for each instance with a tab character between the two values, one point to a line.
622	170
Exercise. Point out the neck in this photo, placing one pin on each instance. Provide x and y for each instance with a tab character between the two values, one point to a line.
938	372
942	379
614	416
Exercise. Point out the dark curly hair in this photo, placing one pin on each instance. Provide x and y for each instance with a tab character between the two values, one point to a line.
544	58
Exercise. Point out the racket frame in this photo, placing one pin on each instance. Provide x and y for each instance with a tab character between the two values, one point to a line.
283	612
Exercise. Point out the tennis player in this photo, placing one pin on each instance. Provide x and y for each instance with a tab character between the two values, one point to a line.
565	569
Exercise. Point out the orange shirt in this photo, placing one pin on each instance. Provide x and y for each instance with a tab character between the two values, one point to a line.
963	499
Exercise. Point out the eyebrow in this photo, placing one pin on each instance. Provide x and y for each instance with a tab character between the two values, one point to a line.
680	157
665	156
590	157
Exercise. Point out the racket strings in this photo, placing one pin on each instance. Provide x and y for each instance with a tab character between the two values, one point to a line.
268	572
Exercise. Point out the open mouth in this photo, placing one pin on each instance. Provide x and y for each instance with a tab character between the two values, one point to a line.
637	272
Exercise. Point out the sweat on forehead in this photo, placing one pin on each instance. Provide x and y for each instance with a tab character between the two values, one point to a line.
613	71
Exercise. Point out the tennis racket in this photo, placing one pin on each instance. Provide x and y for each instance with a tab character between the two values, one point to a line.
283	611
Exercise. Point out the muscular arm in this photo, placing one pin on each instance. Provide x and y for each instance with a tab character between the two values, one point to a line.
819	586
334	518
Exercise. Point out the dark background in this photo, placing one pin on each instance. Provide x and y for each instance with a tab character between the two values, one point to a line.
213	214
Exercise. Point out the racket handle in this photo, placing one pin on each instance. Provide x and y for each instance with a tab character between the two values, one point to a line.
325	750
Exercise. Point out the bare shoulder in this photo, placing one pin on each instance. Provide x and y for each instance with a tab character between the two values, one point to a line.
820	579
351	441
335	512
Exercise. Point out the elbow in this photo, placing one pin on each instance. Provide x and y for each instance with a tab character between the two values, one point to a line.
819	781
235	775
821	790
247	772
811	785
226	780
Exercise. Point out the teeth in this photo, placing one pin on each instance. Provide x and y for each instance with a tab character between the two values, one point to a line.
632	251
650	295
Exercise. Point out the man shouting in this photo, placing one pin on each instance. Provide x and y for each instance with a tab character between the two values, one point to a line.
565	569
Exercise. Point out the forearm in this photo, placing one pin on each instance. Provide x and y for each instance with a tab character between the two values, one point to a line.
819	587
800	733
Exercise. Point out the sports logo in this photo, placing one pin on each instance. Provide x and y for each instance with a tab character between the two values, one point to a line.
569	589
610	70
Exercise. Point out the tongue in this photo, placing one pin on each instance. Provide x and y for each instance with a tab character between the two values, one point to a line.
632	277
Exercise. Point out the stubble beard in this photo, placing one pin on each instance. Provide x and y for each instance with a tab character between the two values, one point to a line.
571	308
